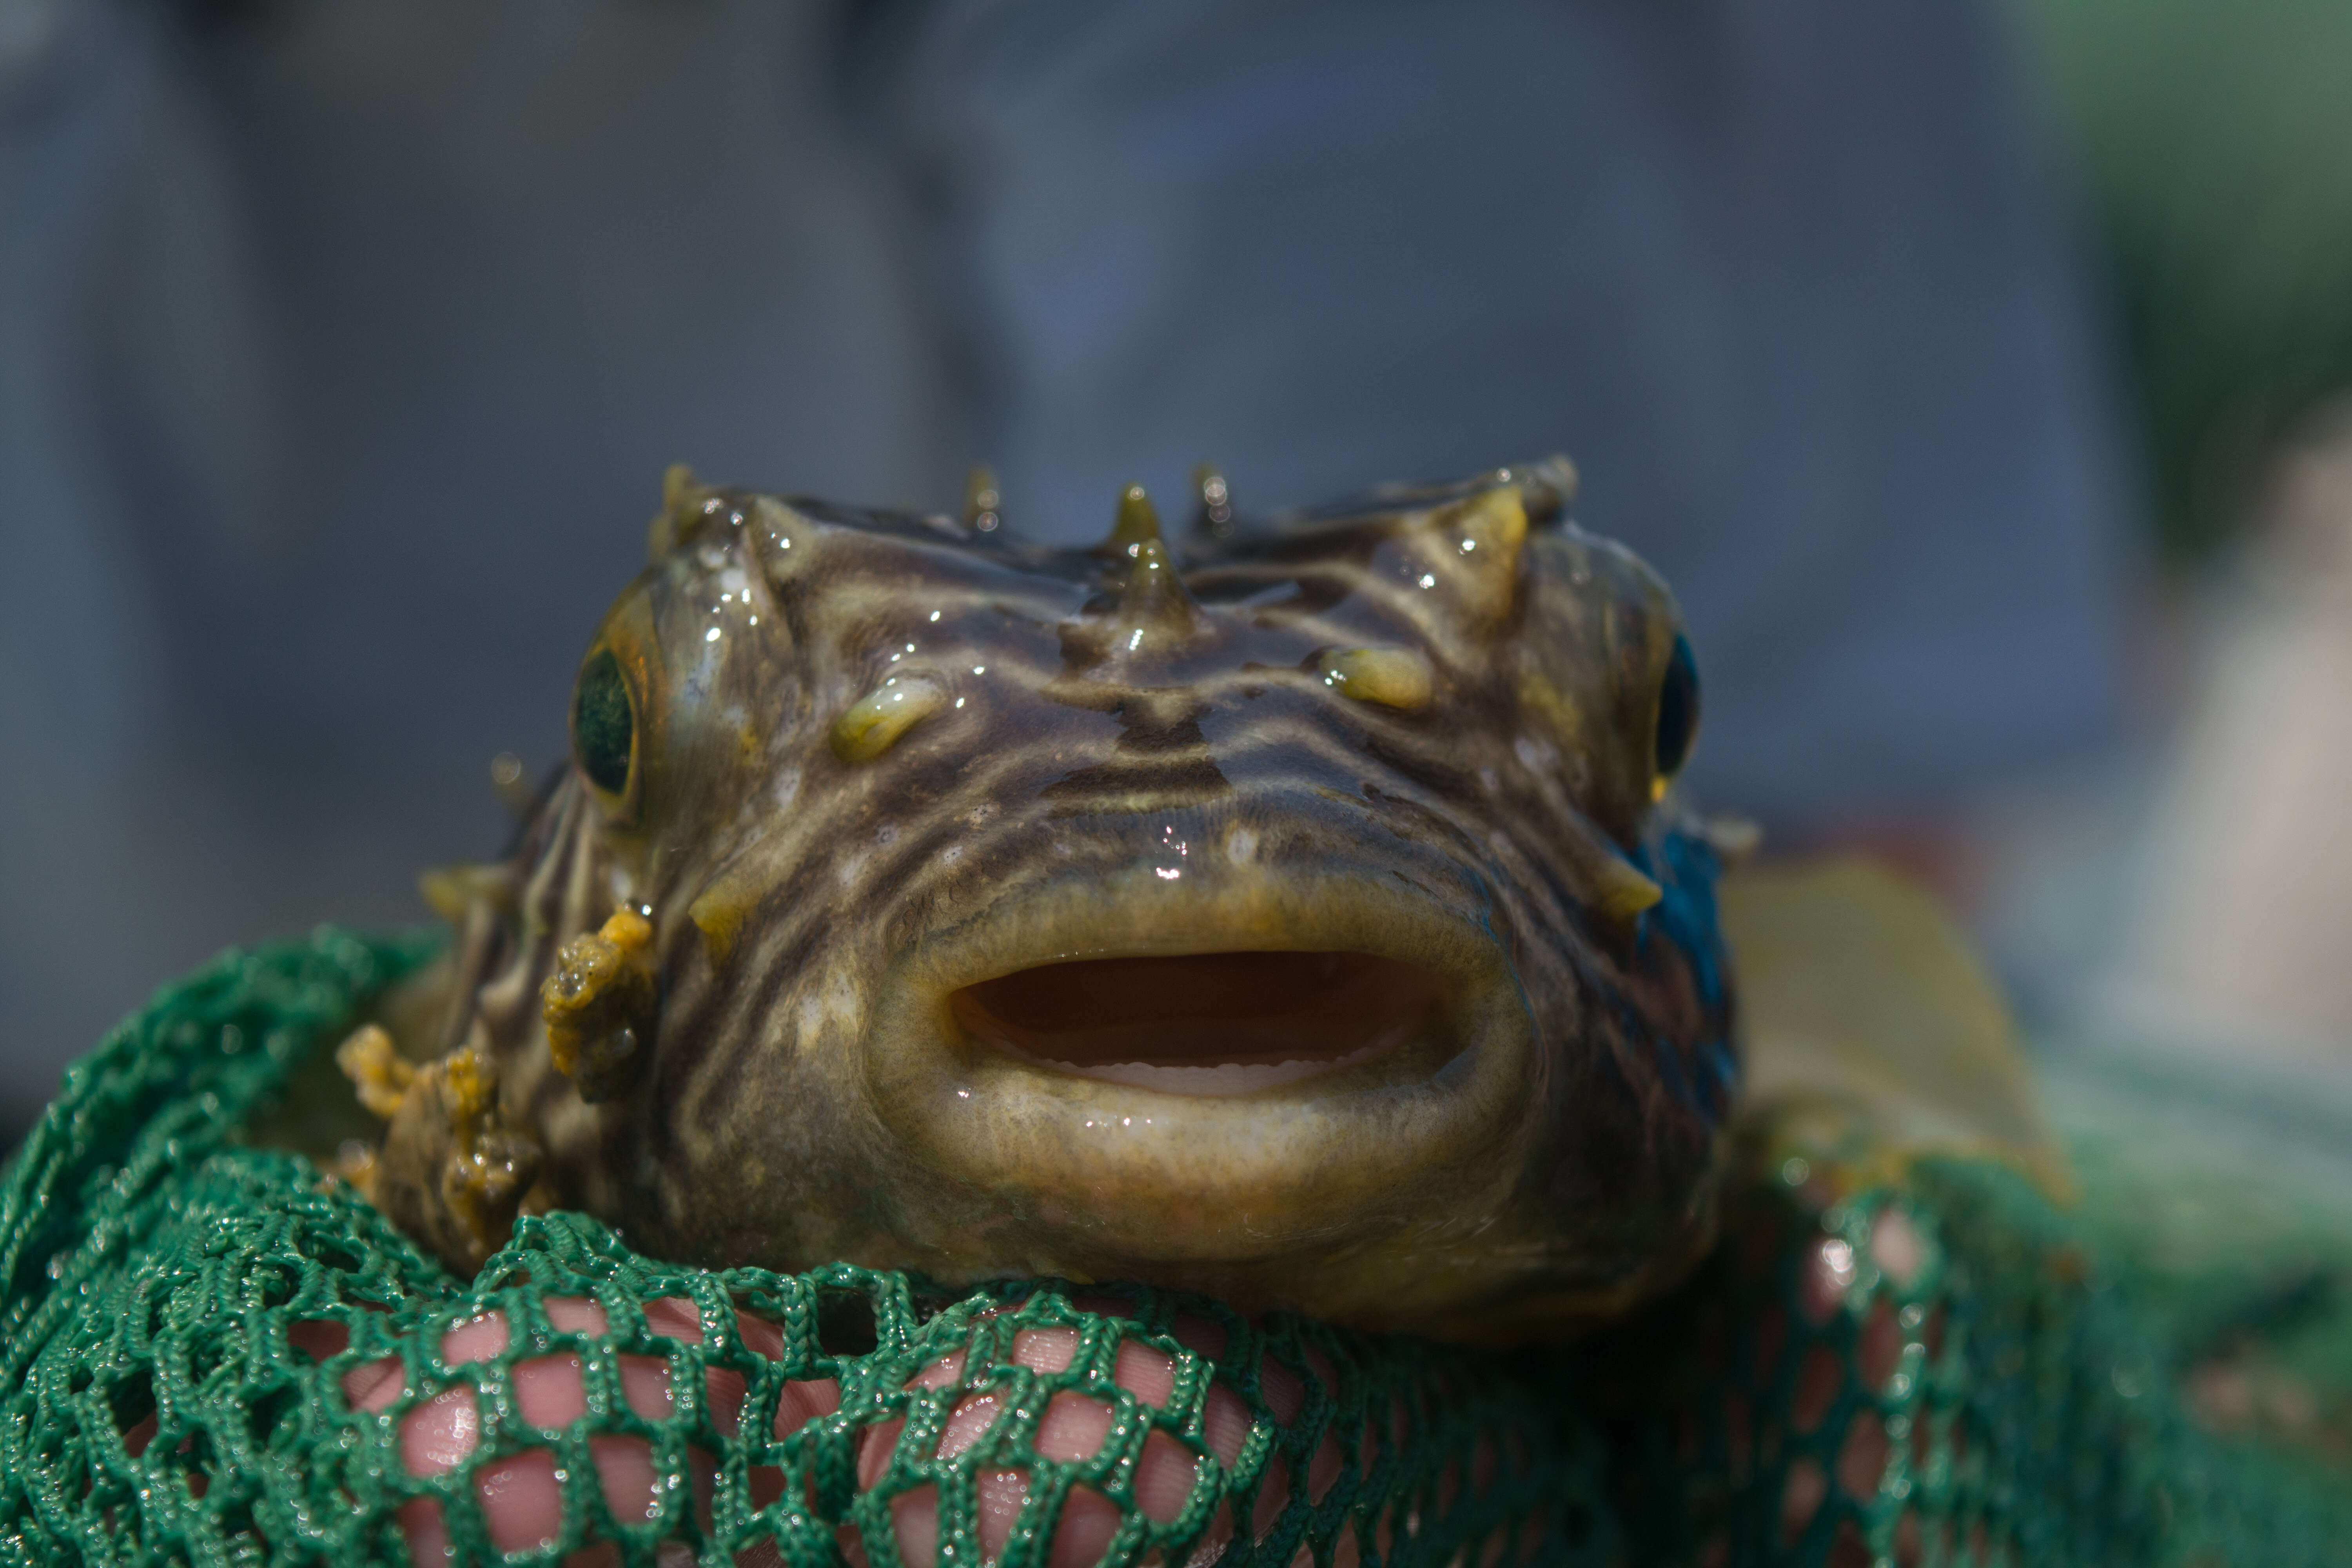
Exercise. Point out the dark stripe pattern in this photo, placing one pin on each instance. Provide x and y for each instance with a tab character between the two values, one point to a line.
1153	704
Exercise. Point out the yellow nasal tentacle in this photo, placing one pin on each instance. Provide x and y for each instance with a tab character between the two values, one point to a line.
1624	891
871	725
1393	676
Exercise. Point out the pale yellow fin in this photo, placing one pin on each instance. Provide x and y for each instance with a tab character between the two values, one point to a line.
1871	1025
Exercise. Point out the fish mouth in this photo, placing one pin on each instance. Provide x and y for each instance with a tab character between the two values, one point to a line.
1211	1023
1123	1076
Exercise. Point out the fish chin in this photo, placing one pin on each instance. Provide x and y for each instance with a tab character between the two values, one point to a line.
1200	1082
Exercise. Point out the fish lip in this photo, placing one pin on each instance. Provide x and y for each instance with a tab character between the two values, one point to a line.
1125	1173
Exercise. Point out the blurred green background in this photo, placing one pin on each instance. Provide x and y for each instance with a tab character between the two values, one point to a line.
2211	140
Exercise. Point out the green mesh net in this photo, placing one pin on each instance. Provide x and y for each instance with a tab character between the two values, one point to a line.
215	1354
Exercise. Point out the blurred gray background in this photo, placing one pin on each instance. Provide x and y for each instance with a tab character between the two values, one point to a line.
343	345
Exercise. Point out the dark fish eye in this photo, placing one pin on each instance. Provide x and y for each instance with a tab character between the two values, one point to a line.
1677	724
603	727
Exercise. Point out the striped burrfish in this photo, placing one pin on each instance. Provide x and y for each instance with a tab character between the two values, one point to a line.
1300	911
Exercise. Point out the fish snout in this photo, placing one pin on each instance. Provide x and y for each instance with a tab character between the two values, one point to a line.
1209	1079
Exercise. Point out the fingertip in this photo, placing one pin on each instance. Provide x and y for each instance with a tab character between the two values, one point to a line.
1072	1427
1224	1425
1149	1375
1000	1494
1323	1469
914	1524
1044	1350
1284	1391
724	1391
549	1391
1202	1336
1273	1497
426	1532
319	1338
440	1433
968	1423
1164	1477
874	1446
1088	1522
802	1401
674	1318
573	1315
522	1502
476	1339
645	1383
373	1385
625	1469
761	1337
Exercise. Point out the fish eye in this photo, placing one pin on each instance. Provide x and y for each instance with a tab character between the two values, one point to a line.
1677	724
604	723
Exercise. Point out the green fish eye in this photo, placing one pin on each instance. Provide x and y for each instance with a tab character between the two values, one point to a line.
603	728
1677	710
